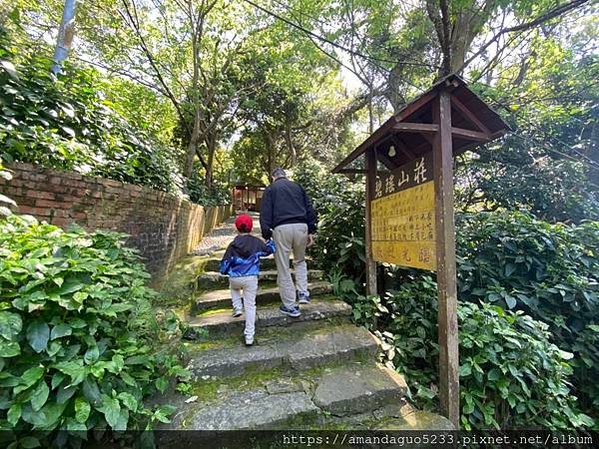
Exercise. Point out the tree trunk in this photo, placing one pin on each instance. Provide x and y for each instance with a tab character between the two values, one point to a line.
290	145
65	35
192	147
211	145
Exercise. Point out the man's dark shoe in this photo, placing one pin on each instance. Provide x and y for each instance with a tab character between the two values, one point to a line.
292	312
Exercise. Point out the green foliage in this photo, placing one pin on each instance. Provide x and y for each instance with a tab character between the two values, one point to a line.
216	195
511	375
80	343
549	271
515	260
548	164
339	203
64	123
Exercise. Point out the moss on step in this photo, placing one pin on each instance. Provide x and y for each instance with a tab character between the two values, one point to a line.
208	390
211	312
268	335
255	378
178	287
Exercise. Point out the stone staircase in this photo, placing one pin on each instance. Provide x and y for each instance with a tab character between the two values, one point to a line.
314	372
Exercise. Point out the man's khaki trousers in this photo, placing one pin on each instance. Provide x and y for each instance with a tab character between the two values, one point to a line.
291	238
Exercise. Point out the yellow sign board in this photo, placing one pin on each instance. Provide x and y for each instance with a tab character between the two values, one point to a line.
403	227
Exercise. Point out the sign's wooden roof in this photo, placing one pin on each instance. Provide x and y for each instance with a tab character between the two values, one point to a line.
411	130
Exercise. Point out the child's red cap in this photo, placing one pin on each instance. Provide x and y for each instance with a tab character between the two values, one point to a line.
244	223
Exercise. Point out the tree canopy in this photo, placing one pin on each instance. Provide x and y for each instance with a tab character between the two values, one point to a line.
269	83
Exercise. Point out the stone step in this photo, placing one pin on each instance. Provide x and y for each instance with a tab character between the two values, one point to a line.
213	279
292	352
221	321
398	415
348	390
222	298
306	400
254	409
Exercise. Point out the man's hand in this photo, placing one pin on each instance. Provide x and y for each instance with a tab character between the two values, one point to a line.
310	240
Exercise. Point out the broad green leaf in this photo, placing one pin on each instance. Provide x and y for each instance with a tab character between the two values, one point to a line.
74	426
39	396
82	410
91	355
91	391
161	384
30	377
465	370
9	349
53	348
163	412
14	413
121	424
57	378
510	301
71	286
38	334
64	393
509	269
111	408
494	374
60	330
75	370
128	400
8	380
46	418
10	324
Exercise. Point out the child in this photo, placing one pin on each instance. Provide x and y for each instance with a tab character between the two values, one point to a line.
241	263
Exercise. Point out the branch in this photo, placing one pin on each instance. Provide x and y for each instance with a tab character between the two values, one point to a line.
560	10
134	24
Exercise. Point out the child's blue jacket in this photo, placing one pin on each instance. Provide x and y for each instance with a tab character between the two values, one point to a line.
242	257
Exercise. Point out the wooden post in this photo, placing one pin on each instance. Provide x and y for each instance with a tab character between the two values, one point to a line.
371	287
446	264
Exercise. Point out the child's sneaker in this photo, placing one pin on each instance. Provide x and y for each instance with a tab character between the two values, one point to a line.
303	297
249	341
292	312
237	312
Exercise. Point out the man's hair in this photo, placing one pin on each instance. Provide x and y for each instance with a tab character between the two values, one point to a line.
278	173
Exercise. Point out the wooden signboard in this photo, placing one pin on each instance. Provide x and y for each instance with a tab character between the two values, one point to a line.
409	213
403	216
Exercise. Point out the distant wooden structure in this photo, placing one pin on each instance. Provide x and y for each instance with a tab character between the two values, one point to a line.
409	195
248	197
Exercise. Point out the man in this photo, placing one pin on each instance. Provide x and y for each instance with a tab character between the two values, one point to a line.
287	215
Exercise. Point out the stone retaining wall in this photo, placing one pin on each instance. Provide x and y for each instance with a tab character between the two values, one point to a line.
161	226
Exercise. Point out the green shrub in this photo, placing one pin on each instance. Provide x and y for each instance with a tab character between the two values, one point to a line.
511	375
80	346
516	261
64	123
550	271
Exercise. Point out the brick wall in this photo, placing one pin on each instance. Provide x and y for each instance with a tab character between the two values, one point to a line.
162	227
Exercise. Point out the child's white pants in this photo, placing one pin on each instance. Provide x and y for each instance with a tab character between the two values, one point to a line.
249	285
